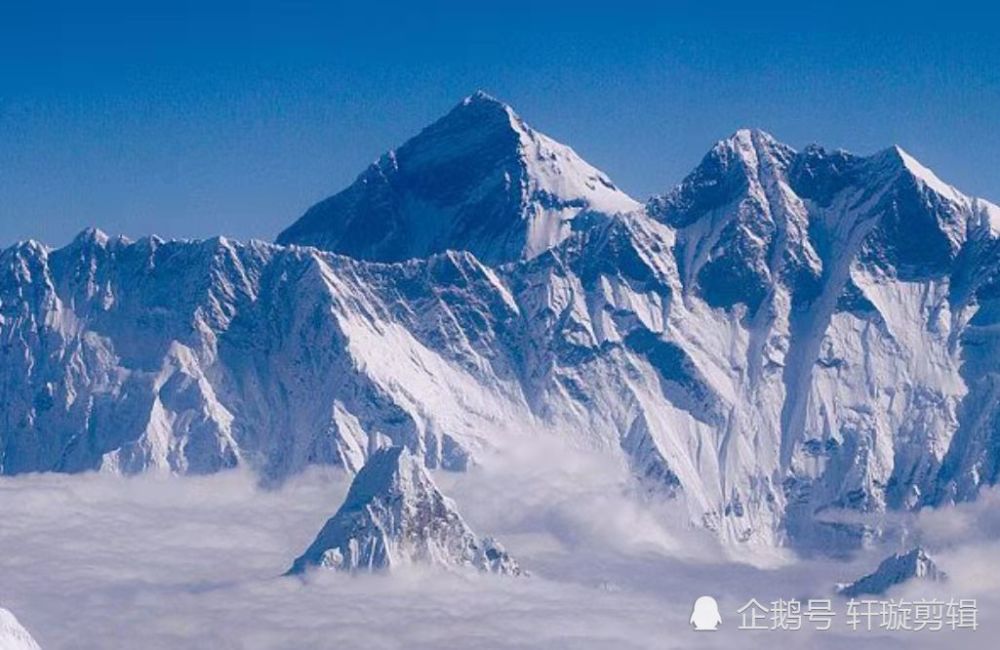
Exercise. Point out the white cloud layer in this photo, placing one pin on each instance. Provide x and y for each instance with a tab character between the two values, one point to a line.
99	562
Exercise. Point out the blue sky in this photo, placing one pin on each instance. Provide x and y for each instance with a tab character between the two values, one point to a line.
189	120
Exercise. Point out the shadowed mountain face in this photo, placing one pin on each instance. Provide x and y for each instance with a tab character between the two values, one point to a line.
479	179
790	342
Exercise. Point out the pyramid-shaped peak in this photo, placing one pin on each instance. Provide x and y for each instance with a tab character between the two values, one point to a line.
388	470
478	179
922	174
394	515
479	110
481	97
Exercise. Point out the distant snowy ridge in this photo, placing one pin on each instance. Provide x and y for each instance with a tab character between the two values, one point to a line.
895	570
13	636
395	515
792	343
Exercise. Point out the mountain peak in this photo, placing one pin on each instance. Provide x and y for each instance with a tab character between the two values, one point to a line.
895	569
923	174
729	169
394	514
91	235
751	146
385	472
751	136
482	97
478	111
478	179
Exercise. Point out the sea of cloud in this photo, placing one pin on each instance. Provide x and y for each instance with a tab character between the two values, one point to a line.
152	562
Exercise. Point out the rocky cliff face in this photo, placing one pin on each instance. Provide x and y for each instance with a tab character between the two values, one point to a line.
783	339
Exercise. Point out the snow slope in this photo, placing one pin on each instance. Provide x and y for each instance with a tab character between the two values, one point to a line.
13	636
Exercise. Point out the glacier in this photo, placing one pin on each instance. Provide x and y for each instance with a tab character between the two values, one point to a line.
793	343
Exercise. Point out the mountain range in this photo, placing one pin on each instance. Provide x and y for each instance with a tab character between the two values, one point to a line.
783	338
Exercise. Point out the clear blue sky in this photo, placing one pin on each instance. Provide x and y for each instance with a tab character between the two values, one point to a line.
188	121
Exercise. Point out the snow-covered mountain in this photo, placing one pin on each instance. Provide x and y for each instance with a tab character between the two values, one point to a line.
791	342
479	179
196	356
394	515
13	636
862	285
894	570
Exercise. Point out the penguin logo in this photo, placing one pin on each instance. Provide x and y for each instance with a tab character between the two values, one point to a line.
705	616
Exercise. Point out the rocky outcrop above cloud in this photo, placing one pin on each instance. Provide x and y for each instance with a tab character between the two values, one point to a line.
394	515
896	569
